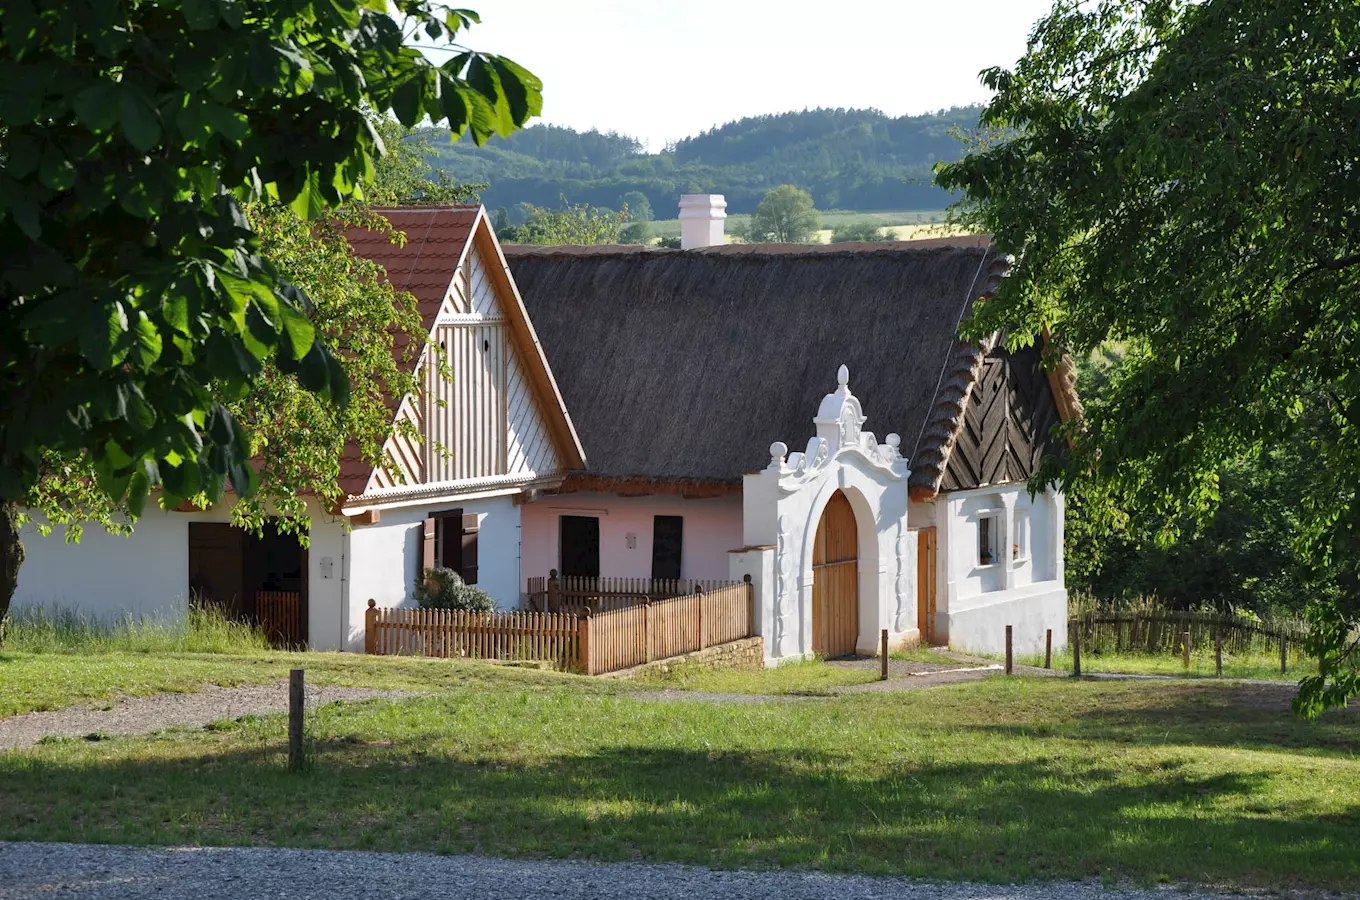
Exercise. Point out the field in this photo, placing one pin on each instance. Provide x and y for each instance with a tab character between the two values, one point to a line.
1002	779
905	225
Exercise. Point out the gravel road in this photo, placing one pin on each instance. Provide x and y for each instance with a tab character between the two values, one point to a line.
142	715
60	871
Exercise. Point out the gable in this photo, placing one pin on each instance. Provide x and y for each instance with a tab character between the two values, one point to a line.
478	412
1007	422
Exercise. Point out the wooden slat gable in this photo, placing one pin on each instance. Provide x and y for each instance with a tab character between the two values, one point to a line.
480	413
1007	423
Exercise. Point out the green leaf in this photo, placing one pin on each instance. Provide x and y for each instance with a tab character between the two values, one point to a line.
310	202
147	348
229	123
523	89
101	334
96	106
296	328
407	100
455	107
141	121
200	14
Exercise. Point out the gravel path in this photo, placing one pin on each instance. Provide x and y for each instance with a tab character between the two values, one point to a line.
60	871
142	715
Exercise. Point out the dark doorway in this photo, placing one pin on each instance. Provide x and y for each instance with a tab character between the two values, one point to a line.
668	537
580	547
262	580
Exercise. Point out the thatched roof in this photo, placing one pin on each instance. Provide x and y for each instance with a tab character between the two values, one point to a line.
687	365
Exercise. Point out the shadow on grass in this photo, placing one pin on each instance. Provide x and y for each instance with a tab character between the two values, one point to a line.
1030	818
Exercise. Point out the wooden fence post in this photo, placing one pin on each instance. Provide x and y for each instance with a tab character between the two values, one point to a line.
550	599
750	604
700	591
1284	655
1186	652
1048	648
1076	651
1010	658
1218	652
647	631
371	627
296	706
883	672
583	642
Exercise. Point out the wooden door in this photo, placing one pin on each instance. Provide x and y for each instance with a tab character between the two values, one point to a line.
835	580
216	567
925	583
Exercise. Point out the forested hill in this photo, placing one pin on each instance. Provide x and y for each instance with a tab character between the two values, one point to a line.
847	158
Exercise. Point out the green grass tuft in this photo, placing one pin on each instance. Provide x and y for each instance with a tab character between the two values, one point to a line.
203	630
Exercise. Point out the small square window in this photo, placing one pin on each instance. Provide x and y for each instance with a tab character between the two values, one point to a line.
1020	549
986	541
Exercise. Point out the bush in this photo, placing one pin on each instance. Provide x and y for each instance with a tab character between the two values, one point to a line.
858	231
669	242
445	589
636	233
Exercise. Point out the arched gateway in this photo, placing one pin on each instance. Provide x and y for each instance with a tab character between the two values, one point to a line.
830	523
835	580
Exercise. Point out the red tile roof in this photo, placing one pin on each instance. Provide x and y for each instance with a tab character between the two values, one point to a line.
436	237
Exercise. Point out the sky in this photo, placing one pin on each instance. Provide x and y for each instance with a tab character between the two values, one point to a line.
665	69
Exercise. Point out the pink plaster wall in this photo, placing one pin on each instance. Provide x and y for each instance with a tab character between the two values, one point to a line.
712	528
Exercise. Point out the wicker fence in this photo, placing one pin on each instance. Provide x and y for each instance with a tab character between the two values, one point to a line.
1162	632
577	593
591	643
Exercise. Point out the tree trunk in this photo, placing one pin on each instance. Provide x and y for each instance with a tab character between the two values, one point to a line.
11	556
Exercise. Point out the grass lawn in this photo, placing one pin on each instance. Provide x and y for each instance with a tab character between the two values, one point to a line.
811	678
1000	779
42	681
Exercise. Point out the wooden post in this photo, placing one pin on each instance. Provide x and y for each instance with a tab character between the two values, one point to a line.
371	627
583	642
700	591
550	600
750	605
1010	658
1048	648
296	707
1076	651
1185	637
883	668
1284	655
1218	652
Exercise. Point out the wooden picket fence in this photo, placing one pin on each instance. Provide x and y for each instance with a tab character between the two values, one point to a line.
279	616
588	642
577	593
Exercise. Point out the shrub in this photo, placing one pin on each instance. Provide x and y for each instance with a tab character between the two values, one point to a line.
445	589
858	231
636	233
670	242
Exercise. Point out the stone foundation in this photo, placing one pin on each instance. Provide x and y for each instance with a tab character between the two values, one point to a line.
747	653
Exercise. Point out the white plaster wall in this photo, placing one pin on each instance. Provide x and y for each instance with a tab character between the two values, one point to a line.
384	559
146	574
975	603
712	528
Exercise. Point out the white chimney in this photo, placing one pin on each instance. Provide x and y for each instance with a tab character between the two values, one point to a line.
701	220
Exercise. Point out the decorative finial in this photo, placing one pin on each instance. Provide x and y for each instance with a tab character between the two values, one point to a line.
894	441
778	450
843	376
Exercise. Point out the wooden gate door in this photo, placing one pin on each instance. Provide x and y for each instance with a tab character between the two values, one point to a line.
925	584
835	580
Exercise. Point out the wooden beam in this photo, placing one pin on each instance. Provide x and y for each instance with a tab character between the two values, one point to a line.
368	517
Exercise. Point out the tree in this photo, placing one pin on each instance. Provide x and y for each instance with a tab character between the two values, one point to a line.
785	216
636	233
859	231
638	206
572	224
1181	177
134	297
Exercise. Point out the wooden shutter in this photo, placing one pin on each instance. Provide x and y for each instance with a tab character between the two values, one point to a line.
427	560
667	540
469	548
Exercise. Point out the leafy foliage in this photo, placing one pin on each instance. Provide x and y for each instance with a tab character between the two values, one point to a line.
571	224
847	158
135	298
859	231
639	208
445	589
1180	176
785	216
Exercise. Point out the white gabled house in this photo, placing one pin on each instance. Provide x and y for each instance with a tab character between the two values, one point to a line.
495	431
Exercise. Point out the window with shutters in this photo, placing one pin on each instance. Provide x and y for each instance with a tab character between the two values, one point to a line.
668	534
579	551
451	543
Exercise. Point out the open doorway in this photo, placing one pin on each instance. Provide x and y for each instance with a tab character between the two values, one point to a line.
261	580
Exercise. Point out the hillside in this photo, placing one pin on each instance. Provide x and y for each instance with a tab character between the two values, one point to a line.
847	158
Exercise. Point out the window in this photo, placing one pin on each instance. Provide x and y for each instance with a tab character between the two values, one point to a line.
1020	550
986	541
668	535
579	550
451	543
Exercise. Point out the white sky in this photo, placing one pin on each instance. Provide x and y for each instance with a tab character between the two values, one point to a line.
667	69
